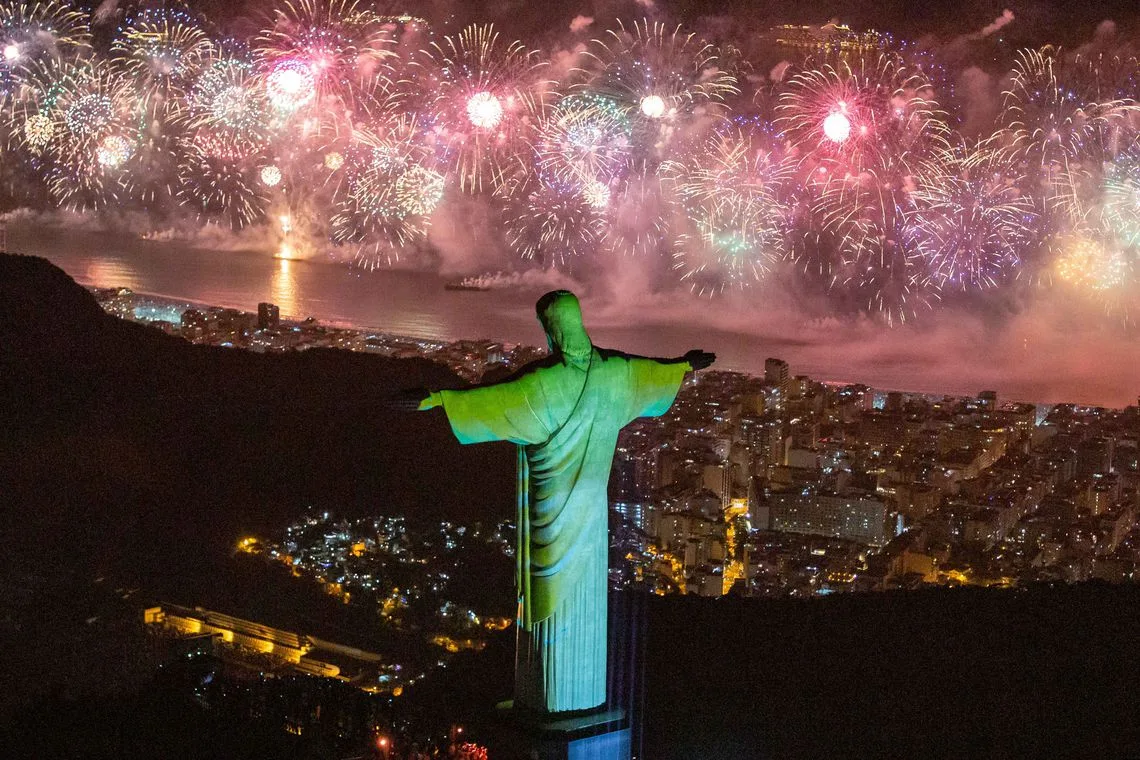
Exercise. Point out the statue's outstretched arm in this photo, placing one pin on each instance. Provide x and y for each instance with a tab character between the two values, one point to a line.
506	410
694	360
699	359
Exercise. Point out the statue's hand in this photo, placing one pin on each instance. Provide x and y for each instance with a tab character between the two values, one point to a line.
699	359
407	400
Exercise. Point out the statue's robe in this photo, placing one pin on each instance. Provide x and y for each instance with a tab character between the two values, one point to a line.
565	417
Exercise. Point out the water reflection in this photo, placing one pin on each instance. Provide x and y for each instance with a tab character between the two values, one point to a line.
283	288
111	270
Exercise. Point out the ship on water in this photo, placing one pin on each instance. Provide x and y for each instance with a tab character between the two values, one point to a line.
480	282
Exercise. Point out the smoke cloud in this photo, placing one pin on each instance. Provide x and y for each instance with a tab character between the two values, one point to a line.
998	23
105	12
580	23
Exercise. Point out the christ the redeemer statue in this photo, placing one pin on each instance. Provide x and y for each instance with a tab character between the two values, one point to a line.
564	413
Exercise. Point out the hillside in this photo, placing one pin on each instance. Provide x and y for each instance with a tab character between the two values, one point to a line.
160	448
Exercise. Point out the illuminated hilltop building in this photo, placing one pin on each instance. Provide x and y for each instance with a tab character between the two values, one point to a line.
829	38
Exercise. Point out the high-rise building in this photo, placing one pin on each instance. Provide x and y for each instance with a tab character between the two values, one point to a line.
857	518
635	513
776	374
268	316
1094	455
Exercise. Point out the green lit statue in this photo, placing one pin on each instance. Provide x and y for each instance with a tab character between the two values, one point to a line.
564	412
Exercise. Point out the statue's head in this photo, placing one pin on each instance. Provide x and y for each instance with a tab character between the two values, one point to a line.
561	318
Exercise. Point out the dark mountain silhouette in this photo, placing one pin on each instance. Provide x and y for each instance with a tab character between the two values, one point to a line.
134	459
134	449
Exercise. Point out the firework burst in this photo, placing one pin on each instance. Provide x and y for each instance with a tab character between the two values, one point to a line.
550	222
888	277
419	190
384	204
585	139
1101	271
728	189
91	108
838	174
161	50
221	188
659	76
328	57
638	214
1050	124
34	29
862	113
976	222
1121	201
227	110
486	105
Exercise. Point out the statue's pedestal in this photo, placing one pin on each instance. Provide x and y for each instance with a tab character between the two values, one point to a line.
603	735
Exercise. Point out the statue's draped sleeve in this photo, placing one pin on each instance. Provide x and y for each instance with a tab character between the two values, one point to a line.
654	384
513	411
